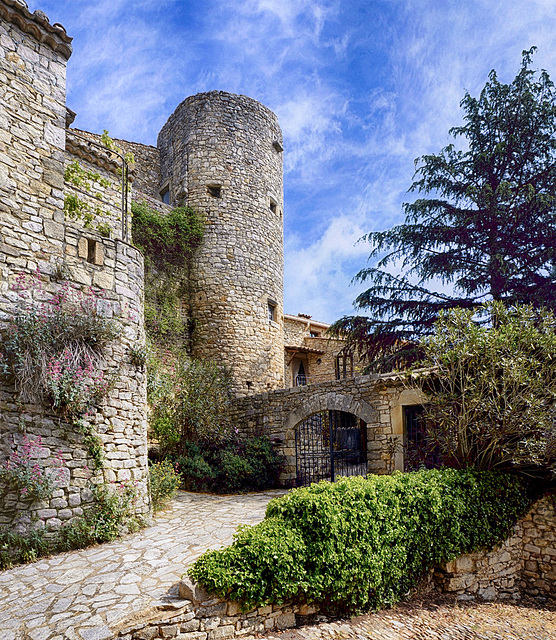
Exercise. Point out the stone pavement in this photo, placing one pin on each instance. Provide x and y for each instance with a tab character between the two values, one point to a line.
85	595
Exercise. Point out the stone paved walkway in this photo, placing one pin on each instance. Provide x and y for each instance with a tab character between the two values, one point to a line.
83	595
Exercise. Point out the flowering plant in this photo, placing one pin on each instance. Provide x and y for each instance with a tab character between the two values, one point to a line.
72	381
22	472
53	344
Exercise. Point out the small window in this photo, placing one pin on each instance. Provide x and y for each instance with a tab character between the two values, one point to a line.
165	195
214	190
314	334
271	311
91	250
273	205
277	146
344	366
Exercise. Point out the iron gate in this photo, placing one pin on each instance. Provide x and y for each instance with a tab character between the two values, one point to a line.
330	444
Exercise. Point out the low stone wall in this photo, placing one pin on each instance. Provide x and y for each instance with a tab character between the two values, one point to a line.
200	616
524	564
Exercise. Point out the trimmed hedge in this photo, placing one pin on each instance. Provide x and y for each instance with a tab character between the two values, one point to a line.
362	543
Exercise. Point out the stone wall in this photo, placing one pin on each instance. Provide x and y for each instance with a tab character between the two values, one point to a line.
100	188
221	155
37	244
525	563
377	400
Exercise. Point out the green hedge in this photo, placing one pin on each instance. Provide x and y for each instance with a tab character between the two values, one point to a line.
362	543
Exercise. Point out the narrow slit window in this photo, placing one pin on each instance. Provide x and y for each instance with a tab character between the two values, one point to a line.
165	195
273	205
214	190
91	250
271	311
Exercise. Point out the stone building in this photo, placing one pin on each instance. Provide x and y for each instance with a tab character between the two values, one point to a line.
65	202
44	254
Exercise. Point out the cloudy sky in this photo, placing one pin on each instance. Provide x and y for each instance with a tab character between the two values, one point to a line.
361	89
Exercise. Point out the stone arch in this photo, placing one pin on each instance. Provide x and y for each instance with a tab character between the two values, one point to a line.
331	401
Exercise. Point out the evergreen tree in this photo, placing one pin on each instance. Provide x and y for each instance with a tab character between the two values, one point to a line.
485	222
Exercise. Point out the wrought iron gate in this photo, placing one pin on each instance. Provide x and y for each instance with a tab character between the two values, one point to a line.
330	444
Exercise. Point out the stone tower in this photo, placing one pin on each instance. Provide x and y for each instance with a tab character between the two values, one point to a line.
222	155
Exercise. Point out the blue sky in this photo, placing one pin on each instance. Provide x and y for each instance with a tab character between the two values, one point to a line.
361	89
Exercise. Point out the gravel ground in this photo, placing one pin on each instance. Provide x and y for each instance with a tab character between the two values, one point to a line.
438	619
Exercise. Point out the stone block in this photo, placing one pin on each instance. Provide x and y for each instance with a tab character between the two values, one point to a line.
192	591
221	633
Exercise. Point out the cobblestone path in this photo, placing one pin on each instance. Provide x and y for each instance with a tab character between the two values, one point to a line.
81	595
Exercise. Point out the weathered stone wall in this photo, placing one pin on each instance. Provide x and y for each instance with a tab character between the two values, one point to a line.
377	400
146	171
100	190
36	242
525	563
221	155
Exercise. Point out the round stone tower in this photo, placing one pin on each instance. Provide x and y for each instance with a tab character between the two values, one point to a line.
222	155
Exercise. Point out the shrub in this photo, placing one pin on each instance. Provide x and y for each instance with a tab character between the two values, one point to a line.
108	517
238	465
17	548
492	394
53	349
194	406
163	483
362	543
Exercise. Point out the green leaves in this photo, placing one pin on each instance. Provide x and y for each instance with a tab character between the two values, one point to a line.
492	398
362	543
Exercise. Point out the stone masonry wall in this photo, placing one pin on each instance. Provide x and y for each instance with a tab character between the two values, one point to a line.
221	155
525	563
37	244
371	398
102	195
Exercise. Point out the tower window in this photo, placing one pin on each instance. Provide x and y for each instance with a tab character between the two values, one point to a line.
273	205
277	146
214	190
165	194
271	311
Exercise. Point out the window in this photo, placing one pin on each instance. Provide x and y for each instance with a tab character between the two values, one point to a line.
214	190
165	194
344	366
277	146
314	334
273	205
271	311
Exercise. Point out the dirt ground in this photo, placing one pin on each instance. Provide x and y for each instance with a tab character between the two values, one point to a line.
438	619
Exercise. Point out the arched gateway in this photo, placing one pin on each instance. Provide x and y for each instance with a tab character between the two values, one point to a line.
330	444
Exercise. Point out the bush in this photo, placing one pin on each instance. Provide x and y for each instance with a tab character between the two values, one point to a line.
163	483
362	543
17	548
238	465
109	517
492	394
192	405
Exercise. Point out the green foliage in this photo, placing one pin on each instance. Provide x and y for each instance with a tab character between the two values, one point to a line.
167	241
18	548
238	465
362	543
75	207
108	517
492	394
484	222
192	405
163	483
110	144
